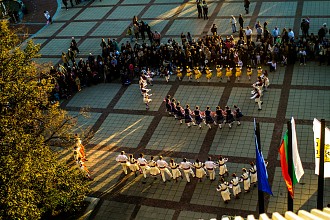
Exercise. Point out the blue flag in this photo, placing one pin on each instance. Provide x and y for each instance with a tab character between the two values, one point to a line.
263	183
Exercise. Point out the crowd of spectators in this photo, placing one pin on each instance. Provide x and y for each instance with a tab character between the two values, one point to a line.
126	60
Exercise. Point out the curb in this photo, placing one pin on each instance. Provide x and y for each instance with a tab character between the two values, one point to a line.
93	202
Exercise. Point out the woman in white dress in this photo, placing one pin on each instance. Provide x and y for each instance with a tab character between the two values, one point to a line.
154	170
133	164
224	190
222	166
200	172
236	186
246	180
176	173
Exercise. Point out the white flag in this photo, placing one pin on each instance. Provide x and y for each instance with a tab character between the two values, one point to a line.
299	170
317	136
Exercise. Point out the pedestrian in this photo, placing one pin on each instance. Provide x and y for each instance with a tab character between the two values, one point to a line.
302	56
205	10
199	10
224	190
136	31
162	165
241	21
257	97
74	45
214	30
186	166
176	173
211	166
247	6
208	117
222	166
304	26
233	23
48	17
246	180
173	108
144	166
198	117
65	3
229	116
238	114
134	167
123	160
259	33
253	174
275	33
154	170
200	172
236	187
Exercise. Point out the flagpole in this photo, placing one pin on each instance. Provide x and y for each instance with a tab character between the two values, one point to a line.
260	192
320	184
290	164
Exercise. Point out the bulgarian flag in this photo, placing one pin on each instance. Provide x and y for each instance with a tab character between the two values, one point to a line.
297	169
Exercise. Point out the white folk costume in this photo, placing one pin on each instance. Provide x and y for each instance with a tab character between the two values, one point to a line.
144	166
246	180
224	190
162	165
210	166
175	170
123	160
200	172
236	186
253	174
186	166
133	165
222	166
154	171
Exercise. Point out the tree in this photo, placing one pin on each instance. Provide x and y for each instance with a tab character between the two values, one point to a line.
34	181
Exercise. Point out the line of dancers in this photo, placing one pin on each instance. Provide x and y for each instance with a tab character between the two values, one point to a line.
197	117
145	79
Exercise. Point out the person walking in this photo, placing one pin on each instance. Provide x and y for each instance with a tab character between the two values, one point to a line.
123	160
205	10
247	6
186	166
48	17
233	23
198	117
187	116
162	165
229	116
211	166
199	10
219	116
236	187
238	114
224	190
241	21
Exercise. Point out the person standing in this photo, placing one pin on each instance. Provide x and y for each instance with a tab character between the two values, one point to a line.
248	34
130	33
162	165
154	171
168	104
257	97
304	26
65	3
247	6
214	30
133	164
241	21
205	10
223	188
74	45
246	180
210	166
123	160
48	17
233	23
200	172
259	33
236	187
199	10
157	37
176	173
222	166
238	114
144	166
186	166
253	174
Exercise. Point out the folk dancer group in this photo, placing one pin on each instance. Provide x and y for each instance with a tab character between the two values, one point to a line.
208	117
145	79
260	86
196	169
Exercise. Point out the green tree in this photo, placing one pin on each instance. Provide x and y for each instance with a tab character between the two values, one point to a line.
34	181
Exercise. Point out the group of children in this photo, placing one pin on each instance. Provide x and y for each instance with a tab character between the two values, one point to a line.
196	169
196	117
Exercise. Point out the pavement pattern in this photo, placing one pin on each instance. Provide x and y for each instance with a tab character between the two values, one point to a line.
118	118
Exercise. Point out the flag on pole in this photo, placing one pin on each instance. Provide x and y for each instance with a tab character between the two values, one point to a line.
262	174
317	137
297	169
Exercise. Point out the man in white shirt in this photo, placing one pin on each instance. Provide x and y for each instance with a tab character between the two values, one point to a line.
143	165
210	166
162	165
186	166
233	23
248	34
123	160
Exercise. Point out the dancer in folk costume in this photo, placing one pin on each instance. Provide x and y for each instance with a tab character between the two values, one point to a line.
229	72
246	180
265	79
80	147
168	106
144	166
179	73
219	72
163	167
134	166
186	166
219	116
210	166
123	160
208	73
208	117
179	113
76	153
198	117
173	108
259	71
189	73
236	187
249	71
147	100
229	117
238	72
253	174
167	74
84	168
222	166
224	190
198	73
154	171
238	114
187	116
200	172
176	173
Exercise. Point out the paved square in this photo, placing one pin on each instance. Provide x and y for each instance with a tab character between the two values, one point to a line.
163	12
93	13
126	11
117	28
278	8
316	8
117	210
236	8
77	29
56	46
309	75
150	213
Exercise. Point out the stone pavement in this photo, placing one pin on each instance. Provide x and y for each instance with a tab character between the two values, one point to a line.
120	122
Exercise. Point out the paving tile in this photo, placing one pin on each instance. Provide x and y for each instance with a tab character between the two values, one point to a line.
190	10
105	3
64	15
77	29
93	13
125	12
133	2
150	213
235	8
119	210
179	26
84	120
55	47
316	8
187	215
168	1
51	61
278	8
163	12
117	28
50	29
309	75
91	45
